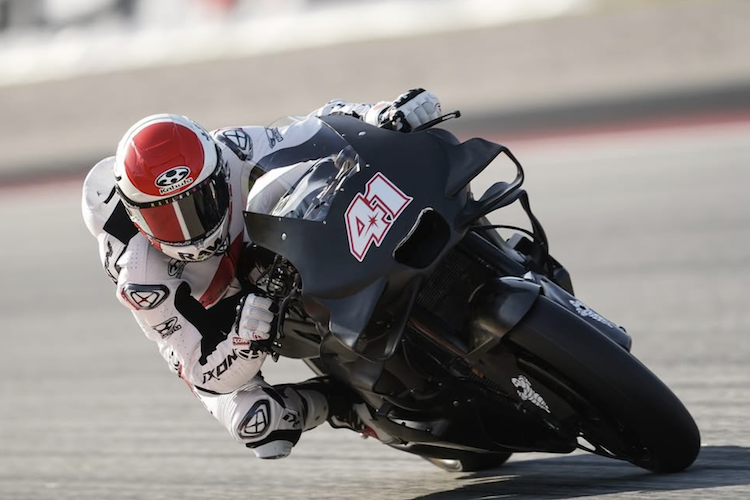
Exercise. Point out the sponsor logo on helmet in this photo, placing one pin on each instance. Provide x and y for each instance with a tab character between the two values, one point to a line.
371	215
173	179
145	296
257	420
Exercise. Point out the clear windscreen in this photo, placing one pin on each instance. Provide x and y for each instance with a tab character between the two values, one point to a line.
299	181
312	195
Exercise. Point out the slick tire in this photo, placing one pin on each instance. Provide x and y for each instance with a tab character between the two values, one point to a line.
638	418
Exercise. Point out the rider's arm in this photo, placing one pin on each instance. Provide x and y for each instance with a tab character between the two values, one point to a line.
407	112
190	337
197	342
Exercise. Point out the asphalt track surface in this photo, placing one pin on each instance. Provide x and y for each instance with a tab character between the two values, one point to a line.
654	226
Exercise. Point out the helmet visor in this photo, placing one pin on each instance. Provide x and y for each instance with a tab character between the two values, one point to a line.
189	216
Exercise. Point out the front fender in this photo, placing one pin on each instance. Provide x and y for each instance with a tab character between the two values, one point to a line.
561	297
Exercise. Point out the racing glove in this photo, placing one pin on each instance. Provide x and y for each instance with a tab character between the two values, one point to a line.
254	320
409	111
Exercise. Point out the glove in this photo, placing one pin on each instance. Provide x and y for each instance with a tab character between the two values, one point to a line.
254	319
408	112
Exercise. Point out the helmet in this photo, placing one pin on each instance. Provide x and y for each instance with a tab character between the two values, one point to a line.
173	181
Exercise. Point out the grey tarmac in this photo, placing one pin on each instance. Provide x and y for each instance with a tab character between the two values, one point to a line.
654	228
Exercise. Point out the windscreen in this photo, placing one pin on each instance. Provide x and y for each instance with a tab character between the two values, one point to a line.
311	196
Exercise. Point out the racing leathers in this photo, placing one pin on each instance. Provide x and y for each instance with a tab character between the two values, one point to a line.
188	308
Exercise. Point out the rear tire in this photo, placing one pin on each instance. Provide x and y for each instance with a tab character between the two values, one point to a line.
626	410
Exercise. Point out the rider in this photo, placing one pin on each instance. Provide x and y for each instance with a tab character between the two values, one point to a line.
167	213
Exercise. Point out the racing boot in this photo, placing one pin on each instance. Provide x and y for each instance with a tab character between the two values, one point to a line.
341	401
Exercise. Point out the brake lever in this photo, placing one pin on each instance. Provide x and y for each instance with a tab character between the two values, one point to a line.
265	346
438	120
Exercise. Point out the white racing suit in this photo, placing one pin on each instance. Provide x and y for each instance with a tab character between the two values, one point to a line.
188	308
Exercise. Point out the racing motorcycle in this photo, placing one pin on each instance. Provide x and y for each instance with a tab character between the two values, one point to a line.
462	346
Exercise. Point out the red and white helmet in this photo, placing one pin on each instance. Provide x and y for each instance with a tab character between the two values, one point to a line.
174	183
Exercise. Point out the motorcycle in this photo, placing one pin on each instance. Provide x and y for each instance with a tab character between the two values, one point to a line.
462	346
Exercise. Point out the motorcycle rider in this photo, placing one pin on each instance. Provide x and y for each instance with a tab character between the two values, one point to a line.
167	213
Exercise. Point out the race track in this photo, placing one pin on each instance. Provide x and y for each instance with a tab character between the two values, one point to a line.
654	227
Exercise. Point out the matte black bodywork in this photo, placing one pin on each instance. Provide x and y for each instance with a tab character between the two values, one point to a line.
417	327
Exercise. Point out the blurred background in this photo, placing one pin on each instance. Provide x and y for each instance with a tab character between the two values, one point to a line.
86	70
631	118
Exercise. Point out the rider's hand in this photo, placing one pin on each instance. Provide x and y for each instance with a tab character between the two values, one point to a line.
255	317
408	112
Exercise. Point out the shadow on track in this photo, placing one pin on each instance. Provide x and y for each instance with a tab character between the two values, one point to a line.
582	476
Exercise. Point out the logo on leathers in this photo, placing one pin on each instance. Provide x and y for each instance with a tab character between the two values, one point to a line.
256	421
168	327
219	247
175	268
274	136
145	296
371	215
238	141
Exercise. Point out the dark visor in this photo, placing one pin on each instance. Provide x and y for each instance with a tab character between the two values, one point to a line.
189	216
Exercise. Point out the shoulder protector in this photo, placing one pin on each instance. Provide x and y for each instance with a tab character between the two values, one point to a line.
237	140
143	297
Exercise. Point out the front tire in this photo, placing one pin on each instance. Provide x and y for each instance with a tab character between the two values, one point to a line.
626	411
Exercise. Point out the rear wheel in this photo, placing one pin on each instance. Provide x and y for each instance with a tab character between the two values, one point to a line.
625	411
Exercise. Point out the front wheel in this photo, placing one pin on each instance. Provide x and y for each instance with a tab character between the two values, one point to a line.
625	411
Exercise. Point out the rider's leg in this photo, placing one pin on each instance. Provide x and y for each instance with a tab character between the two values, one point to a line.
268	419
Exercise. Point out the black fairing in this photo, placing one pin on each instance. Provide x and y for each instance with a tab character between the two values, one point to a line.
432	168
417	324
496	307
